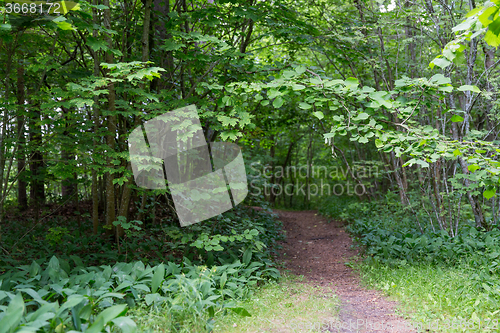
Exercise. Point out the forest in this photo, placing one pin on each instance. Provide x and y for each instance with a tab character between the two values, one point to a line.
361	130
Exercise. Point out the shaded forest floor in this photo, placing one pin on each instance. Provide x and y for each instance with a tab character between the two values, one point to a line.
320	250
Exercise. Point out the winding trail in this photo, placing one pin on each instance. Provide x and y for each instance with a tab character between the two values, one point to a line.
318	249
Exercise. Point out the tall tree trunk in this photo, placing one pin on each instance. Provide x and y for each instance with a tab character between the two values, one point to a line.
22	198
37	166
475	205
399	181
96	122
111	125
161	10
68	185
272	152
308	168
127	189
5	121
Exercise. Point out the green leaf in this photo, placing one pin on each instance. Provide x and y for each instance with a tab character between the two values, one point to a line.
469	88
59	19
126	324
300	69
97	326
473	167
298	86
148	73
488	194
457	118
247	256
446	88
241	311
494	27
72	301
440	79
105	317
465	25
278	102
5	27
362	116
65	26
379	143
157	278
223	280
304	106
96	44
116	52
227	121
351	81
363	139
85	312
422	163
492	39
13	314
484	18
319	115
440	62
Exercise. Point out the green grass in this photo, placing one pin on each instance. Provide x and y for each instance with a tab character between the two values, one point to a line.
151	320
289	305
440	295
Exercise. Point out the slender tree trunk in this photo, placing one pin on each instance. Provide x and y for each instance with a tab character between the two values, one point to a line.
96	122
161	10
37	167
5	121
111	126
399	181
272	153
475	205
68	185
127	188
309	147
22	198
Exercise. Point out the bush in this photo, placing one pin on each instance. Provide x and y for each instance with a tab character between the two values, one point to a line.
66	295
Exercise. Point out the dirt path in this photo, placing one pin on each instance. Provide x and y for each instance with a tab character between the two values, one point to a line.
318	250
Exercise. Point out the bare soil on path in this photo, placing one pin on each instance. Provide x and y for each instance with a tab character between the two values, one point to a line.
318	249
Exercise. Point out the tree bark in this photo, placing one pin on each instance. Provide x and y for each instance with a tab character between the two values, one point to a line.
37	166
111	126
22	198
96	123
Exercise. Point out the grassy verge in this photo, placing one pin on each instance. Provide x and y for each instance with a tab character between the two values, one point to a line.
274	307
289	305
439	298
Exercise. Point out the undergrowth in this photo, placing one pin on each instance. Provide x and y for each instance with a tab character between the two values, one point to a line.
57	277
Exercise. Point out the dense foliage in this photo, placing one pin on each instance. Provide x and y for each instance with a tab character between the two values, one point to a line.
202	272
393	103
64	296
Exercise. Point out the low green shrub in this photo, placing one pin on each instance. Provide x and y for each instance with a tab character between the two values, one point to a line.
62	295
219	240
190	275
